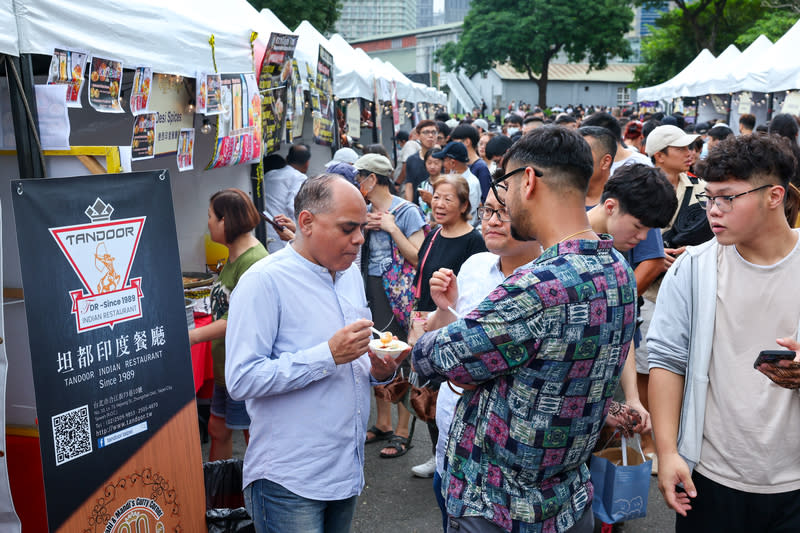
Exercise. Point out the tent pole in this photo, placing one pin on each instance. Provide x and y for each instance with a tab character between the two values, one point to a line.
28	156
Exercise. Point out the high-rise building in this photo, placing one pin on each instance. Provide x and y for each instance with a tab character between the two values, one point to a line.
424	13
455	10
362	18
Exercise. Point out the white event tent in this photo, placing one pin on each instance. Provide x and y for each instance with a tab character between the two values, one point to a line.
744	75
780	67
715	78
671	88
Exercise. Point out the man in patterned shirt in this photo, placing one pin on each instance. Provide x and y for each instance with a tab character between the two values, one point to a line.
542	354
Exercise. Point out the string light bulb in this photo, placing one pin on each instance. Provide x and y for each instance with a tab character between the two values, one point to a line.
206	128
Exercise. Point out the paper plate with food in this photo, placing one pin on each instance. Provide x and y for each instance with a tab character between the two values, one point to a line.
388	344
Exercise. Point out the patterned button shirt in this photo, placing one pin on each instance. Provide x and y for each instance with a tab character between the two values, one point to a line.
545	350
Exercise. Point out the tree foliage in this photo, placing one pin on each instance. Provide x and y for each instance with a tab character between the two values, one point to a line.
681	34
529	34
322	14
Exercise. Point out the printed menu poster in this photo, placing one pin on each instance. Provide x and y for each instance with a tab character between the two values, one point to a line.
239	125
67	68
296	106
323	104
104	83
109	345
144	137
140	92
208	94
186	149
169	101
273	82
791	104
354	118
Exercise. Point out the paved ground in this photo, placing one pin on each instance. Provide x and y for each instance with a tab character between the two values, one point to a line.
394	501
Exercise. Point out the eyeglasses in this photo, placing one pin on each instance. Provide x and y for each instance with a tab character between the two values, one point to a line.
724	203
485	213
498	183
429	132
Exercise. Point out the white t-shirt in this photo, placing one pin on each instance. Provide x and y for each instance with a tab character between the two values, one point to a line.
635	157
752	426
474	197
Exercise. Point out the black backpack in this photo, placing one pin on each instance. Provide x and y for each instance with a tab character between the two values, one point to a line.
691	225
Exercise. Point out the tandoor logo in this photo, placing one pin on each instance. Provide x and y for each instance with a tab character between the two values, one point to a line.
101	254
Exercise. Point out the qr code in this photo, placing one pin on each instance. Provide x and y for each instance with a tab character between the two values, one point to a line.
72	434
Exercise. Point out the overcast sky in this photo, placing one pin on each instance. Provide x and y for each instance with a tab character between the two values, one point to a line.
438	5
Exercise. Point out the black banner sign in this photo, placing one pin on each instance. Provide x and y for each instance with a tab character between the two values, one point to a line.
110	352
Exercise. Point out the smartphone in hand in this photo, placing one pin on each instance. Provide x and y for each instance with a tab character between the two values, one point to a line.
271	221
773	356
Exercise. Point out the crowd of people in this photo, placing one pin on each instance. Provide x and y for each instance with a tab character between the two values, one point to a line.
515	259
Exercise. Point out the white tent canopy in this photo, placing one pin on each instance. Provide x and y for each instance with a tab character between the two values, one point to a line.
743	77
352	78
171	37
272	21
780	68
715	75
9	40
307	50
669	89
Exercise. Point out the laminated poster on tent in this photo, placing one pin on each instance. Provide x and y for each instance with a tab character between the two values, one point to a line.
273	81
105	81
745	102
67	68
323	111
140	92
295	106
395	108
791	104
185	155
239	125
354	118
144	137
208	94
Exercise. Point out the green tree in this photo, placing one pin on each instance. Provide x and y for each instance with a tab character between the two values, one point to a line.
679	35
772	24
322	14
528	34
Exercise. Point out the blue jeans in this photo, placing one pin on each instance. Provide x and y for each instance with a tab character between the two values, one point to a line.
277	510
437	491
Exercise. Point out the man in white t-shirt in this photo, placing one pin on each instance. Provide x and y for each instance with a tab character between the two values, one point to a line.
724	431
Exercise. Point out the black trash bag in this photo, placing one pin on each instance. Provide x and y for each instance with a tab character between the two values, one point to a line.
225	512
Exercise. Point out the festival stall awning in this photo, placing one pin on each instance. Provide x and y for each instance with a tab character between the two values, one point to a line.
780	68
744	76
307	50
669	89
352	78
9	40
170	37
715	78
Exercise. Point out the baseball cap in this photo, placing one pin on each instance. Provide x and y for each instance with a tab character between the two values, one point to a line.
343	155
664	136
376	163
454	150
701	128
481	123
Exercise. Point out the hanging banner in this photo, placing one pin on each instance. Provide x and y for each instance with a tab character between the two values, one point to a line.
791	104
104	83
110	355
354	118
322	111
239	125
395	109
273	82
745	102
169	99
208	94
296	103
67	68
144	137
140	92
186	150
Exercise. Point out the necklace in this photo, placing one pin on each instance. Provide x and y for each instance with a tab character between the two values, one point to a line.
573	234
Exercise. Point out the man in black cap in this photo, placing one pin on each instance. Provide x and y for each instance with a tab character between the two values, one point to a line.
455	158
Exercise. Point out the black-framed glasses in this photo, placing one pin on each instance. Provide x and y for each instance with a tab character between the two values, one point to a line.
725	202
498	183
485	213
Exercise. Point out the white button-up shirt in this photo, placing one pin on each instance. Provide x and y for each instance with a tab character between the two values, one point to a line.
280	188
